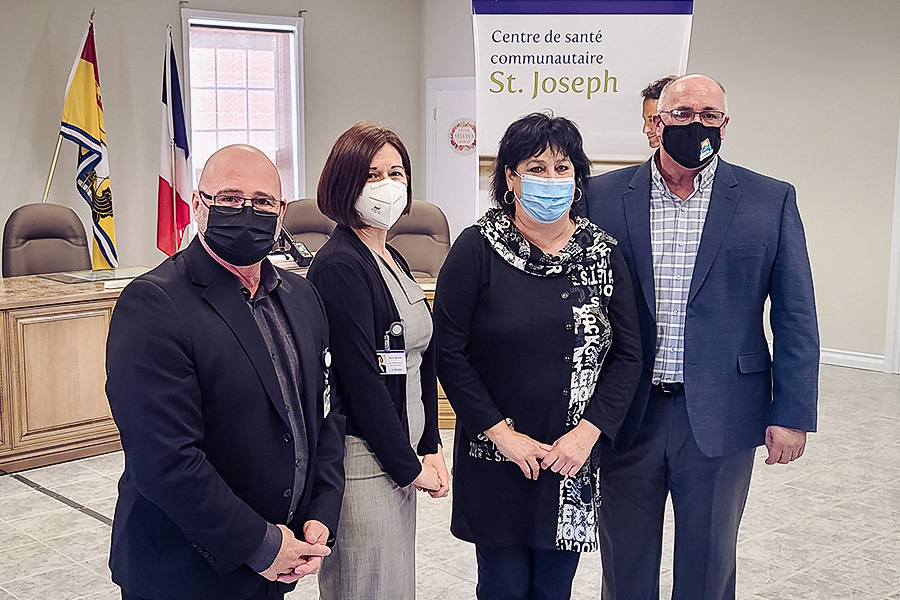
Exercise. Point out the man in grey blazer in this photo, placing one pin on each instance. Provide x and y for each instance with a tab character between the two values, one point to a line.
706	244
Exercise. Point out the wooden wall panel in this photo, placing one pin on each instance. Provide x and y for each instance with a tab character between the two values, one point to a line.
57	355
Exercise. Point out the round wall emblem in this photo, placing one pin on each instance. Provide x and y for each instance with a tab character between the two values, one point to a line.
462	136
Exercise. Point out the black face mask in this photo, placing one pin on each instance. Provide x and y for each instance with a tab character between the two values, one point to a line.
691	145
241	238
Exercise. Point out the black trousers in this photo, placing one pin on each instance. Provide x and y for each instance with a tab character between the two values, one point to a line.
268	591
524	573
708	495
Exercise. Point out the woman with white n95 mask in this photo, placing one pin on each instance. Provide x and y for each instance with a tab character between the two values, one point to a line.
384	367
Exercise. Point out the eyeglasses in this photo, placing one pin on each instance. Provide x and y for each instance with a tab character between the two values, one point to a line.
682	116
230	204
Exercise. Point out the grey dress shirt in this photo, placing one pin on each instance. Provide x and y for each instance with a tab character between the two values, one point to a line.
269	315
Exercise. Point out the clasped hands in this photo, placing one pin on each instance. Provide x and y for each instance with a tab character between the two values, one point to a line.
566	456
434	477
298	558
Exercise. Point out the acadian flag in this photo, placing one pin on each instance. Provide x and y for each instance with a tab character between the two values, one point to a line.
173	211
82	122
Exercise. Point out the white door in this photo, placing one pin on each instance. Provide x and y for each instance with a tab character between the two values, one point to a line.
450	154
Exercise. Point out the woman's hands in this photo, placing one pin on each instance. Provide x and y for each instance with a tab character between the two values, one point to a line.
436	462
566	456
434	477
428	479
569	452
526	452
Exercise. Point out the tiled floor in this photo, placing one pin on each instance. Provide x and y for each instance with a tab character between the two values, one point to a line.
826	527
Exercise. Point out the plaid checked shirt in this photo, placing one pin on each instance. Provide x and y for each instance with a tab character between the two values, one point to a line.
675	230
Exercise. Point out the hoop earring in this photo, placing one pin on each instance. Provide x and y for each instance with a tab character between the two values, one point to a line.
506	199
580	195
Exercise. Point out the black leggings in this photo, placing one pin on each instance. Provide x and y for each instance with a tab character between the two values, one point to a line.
521	572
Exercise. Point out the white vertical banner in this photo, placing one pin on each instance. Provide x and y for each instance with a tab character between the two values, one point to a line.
586	60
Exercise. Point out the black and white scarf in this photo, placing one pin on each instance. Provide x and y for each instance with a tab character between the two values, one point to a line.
584	260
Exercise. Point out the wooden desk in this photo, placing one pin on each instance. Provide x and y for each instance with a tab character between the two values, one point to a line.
446	416
53	405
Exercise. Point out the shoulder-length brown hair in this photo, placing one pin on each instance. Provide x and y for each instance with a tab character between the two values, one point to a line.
347	168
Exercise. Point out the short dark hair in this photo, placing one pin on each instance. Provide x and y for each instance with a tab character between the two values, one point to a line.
529	136
346	171
653	90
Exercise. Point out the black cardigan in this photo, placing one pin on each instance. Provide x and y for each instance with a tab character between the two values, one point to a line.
360	310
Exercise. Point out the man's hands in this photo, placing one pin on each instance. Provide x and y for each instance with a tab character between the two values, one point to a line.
315	532
784	444
571	450
435	463
298	559
519	448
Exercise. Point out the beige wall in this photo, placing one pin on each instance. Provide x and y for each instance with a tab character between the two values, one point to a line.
814	94
448	49
362	62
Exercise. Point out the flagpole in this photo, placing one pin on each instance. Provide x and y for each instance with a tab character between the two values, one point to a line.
52	169
174	199
168	70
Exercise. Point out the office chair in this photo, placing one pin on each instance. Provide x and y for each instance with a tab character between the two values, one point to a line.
422	237
307	224
44	238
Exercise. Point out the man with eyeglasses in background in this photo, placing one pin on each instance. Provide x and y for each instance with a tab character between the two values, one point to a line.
218	379
706	244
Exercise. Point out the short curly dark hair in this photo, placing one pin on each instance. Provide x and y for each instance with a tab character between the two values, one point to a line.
529	136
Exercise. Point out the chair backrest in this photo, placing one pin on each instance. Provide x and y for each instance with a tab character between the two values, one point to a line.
44	238
422	237
307	223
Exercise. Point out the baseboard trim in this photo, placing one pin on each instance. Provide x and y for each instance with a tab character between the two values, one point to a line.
854	360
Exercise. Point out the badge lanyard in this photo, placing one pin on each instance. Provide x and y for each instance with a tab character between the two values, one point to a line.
326	368
391	362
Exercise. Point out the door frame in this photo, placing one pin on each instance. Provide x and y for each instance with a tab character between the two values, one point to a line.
892	331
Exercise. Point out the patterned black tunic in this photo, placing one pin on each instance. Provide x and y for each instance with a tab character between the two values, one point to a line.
541	341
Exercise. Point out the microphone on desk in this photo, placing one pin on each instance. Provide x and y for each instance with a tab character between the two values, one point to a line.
296	250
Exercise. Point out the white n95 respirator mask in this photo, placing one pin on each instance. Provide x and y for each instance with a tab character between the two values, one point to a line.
381	203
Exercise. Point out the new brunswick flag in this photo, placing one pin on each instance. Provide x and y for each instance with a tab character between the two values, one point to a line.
82	122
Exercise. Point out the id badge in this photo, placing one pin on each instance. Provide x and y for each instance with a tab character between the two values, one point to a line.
391	362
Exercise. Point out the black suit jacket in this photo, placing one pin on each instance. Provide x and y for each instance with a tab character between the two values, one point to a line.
209	459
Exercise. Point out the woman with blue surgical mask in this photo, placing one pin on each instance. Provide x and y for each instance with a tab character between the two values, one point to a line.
539	356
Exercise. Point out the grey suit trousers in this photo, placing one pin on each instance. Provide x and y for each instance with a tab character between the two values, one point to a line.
374	553
708	495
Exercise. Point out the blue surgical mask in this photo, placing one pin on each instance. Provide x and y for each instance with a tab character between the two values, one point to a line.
546	199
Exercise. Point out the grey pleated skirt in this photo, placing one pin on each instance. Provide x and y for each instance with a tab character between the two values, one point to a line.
373	557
